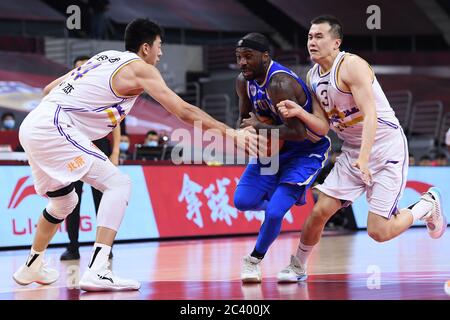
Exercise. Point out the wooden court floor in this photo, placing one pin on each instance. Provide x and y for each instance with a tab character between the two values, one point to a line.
343	267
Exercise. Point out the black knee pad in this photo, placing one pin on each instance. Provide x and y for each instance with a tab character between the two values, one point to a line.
61	204
61	192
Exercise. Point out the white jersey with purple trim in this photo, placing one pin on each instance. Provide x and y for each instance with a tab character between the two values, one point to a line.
388	161
88	97
345	117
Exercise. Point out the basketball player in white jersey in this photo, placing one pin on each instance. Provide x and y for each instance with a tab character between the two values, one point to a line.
374	153
82	106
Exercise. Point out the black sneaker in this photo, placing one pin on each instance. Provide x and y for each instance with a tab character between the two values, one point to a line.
70	255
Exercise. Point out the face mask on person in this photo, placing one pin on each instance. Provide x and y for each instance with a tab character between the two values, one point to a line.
124	146
9	123
151	144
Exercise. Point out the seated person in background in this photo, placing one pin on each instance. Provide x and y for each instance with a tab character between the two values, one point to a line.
124	148
152	139
151	149
441	160
8	122
425	161
8	133
412	160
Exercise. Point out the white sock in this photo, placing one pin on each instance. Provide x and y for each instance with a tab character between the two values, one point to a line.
99	257
303	252
34	259
420	209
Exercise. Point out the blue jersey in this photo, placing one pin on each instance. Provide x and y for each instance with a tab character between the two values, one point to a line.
262	106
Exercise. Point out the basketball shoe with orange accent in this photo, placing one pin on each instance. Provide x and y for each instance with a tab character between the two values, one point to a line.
435	220
39	273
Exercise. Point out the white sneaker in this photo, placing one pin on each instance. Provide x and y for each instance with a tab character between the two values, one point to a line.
105	280
435	220
41	274
294	272
251	272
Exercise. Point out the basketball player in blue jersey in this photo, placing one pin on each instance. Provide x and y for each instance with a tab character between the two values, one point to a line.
261	85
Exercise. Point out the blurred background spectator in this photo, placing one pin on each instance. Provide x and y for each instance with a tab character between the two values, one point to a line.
124	148
412	160
8	122
425	160
151	139
441	159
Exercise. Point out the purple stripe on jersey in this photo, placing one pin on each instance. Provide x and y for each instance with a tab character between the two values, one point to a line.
403	171
391	161
55	120
100	109
68	138
390	124
394	210
75	109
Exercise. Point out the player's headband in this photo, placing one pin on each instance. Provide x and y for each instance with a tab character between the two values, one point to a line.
247	43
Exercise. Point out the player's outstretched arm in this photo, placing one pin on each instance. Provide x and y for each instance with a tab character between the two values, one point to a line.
148	77
317	121
358	76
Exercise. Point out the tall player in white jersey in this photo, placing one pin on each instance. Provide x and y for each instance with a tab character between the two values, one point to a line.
374	155
85	105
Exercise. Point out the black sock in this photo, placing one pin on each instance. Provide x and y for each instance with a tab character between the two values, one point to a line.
257	254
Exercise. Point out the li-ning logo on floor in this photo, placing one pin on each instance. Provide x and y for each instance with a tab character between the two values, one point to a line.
19	193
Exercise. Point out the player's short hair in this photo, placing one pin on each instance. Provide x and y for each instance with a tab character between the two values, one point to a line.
335	24
141	31
255	41
80	58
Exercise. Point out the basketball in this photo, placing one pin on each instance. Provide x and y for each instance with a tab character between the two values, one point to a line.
268	153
